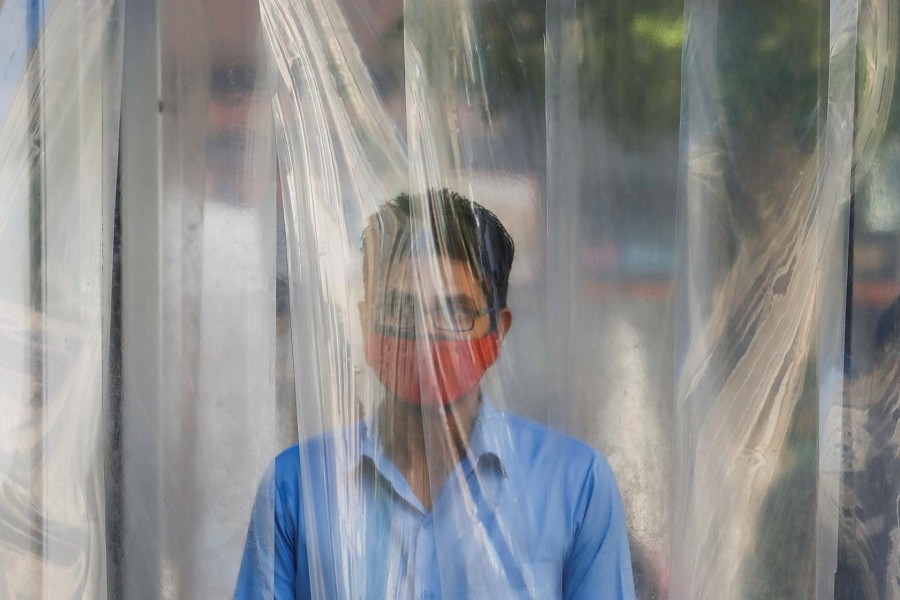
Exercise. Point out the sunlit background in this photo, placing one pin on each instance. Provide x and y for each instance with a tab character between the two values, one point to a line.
705	200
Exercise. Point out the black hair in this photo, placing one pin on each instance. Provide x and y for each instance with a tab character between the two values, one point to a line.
461	228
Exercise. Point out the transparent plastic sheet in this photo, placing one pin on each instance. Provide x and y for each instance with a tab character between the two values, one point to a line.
197	411
159	350
58	156
613	83
868	551
764	207
759	337
423	485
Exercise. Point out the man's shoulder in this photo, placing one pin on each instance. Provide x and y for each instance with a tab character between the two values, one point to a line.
544	445
531	430
319	450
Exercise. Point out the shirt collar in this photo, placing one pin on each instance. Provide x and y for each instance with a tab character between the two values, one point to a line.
488	434
485	441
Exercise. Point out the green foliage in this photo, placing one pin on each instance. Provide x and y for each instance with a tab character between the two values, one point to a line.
630	74
659	31
772	64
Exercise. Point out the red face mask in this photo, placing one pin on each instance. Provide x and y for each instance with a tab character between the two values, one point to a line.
430	373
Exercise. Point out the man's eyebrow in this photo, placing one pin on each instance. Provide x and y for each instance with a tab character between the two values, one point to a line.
395	296
460	300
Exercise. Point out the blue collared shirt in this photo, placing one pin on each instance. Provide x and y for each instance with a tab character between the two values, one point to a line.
528	513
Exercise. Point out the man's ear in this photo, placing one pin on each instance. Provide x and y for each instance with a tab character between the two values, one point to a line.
504	322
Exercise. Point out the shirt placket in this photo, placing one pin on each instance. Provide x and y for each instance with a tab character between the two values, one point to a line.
426	580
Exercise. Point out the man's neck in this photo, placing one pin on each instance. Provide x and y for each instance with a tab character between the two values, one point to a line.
426	444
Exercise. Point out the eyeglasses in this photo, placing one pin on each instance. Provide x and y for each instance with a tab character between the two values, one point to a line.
400	316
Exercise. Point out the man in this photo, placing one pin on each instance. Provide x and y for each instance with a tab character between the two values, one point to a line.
442	495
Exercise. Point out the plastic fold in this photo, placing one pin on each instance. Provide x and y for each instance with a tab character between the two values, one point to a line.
446	299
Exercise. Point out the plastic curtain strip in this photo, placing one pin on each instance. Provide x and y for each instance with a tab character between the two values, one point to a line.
611	181
423	484
449	299
198	411
868	558
59	141
762	448
760	324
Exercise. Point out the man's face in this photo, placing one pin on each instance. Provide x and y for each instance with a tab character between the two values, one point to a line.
431	298
428	327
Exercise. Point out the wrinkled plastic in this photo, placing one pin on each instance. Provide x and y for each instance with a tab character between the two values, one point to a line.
761	311
59	137
259	341
868	551
422	485
197	411
767	422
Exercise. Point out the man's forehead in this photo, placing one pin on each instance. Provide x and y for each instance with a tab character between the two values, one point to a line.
432	275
